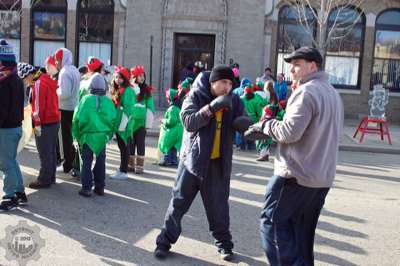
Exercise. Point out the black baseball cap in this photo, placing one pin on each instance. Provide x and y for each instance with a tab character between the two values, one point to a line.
306	53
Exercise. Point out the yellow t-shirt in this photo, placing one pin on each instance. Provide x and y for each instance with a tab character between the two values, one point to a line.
216	151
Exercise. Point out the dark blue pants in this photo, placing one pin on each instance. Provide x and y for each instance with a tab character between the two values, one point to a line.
214	191
99	170
171	158
288	221
46	145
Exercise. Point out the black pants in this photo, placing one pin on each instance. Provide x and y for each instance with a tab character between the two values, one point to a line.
214	191
124	151
46	146
138	142
66	132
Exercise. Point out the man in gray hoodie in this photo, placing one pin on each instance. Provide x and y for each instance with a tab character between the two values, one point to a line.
305	164
68	88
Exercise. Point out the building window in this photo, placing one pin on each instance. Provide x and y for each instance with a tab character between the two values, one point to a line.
10	24
344	51
48	28
386	69
292	34
95	30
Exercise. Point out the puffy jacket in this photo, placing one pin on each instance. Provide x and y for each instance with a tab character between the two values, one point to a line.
94	127
45	101
11	102
127	105
141	111
171	130
68	83
253	107
199	129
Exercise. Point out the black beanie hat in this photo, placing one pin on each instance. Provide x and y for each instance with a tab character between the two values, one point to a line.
221	72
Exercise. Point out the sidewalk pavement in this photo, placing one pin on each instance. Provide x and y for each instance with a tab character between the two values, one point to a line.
371	143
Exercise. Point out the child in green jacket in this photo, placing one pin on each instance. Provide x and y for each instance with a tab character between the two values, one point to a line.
171	131
124	99
144	106
253	104
270	111
93	125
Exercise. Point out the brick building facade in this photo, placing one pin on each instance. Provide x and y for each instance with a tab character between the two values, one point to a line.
166	34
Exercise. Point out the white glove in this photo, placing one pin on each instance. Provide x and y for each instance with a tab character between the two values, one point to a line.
37	131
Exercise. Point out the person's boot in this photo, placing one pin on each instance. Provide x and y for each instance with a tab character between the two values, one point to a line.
131	163
263	158
139	168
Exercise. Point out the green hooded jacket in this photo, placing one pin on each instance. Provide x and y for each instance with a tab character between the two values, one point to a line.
253	107
171	131
128	107
94	127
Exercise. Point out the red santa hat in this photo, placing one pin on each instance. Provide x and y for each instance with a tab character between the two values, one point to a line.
94	64
50	61
58	55
123	71
248	89
137	71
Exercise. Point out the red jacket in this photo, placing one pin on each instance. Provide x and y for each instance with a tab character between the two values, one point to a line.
45	101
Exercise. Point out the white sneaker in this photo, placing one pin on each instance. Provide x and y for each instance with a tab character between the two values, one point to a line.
60	168
119	176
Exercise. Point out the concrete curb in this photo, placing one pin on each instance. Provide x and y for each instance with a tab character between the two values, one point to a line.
342	147
372	149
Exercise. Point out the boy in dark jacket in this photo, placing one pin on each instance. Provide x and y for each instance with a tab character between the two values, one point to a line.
210	115
11	116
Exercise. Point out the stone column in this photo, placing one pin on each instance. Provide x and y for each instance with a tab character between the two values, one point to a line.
70	41
25	41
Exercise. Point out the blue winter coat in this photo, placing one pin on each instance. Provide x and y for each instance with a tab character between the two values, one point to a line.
199	129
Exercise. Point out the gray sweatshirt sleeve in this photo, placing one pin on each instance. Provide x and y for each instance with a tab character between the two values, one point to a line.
296	120
65	87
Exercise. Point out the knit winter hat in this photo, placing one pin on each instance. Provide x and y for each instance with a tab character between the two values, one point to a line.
137	71
221	72
97	84
6	52
24	69
236	72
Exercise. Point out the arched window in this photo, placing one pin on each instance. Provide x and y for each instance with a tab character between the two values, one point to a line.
10	23
95	30
48	28
386	68
344	51
292	34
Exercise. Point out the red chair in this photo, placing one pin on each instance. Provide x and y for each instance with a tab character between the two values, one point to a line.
381	128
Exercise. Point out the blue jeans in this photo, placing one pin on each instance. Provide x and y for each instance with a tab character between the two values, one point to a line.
214	191
171	158
288	221
13	182
99	170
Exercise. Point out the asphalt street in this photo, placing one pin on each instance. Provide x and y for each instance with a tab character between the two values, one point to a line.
358	226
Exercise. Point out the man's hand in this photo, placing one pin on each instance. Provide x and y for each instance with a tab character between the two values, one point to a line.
223	101
242	123
256	131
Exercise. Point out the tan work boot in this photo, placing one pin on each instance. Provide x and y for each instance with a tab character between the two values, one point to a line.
139	169
131	163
